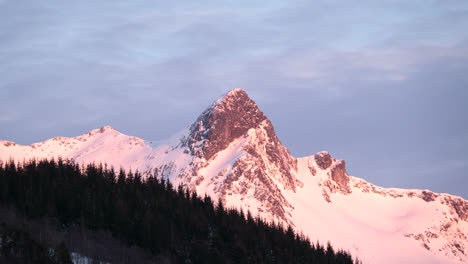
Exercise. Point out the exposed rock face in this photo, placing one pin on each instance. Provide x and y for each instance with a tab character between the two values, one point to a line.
323	160
231	152
312	170
460	206
8	143
428	196
223	122
251	173
339	175
266	161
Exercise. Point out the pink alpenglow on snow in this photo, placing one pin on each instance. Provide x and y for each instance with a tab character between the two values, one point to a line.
231	152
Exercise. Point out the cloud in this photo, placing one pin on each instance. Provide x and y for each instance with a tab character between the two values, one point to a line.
366	81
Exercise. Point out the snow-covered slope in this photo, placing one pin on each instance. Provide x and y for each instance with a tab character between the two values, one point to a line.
231	152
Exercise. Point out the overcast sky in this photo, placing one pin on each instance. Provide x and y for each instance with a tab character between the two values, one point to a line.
381	84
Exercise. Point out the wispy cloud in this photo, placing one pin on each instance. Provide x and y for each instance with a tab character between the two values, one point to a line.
373	76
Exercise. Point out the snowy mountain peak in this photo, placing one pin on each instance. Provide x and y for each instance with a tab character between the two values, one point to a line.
102	130
258	171
227	119
107	128
231	153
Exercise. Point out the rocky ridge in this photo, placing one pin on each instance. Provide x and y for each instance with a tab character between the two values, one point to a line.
266	164
231	152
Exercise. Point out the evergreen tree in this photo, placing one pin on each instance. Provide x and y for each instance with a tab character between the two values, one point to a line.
61	254
148	213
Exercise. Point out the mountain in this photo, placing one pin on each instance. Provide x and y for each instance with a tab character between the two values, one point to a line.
231	152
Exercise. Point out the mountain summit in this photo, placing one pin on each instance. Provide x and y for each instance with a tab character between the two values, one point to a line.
235	122
224	121
231	153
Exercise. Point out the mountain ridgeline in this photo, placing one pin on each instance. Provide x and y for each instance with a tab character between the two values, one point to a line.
174	224
231	154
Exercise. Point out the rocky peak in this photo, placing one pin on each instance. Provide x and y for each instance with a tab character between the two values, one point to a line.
323	160
265	161
8	143
96	132
106	128
339	175
225	120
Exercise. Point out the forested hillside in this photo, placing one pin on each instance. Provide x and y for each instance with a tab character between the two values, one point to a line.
153	215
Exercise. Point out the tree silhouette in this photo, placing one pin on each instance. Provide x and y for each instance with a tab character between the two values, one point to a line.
151	214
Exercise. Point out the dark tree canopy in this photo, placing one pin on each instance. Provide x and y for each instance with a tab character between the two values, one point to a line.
151	214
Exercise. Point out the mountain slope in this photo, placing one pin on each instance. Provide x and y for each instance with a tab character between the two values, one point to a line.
231	152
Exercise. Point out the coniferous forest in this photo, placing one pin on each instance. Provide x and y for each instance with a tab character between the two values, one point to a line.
146	213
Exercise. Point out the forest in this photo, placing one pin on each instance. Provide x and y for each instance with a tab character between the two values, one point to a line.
170	224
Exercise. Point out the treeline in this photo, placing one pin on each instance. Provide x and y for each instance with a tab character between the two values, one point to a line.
153	215
18	246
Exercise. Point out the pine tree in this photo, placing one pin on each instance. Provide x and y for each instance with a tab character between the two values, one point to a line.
150	214
61	254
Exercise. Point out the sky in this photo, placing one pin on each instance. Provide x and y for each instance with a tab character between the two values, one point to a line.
381	84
